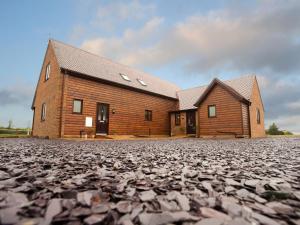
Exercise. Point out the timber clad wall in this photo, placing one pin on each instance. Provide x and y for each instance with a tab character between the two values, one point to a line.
233	115
257	130
129	106
228	114
245	115
48	92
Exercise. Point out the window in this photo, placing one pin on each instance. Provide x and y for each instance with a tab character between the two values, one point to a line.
211	111
258	116
47	75
142	82
148	115
77	106
43	113
125	77
177	119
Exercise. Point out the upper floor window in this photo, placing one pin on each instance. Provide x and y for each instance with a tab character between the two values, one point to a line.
211	111
258	116
77	106
43	112
125	77
142	82
177	118
47	74
148	115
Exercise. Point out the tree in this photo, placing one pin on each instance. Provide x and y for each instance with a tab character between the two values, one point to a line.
10	124
274	130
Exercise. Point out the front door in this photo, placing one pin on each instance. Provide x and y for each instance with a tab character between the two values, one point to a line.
102	118
190	122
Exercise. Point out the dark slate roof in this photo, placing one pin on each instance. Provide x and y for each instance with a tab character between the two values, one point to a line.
83	62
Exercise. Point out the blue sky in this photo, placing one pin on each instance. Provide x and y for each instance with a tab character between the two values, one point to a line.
186	43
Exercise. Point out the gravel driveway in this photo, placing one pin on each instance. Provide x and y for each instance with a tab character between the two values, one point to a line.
183	181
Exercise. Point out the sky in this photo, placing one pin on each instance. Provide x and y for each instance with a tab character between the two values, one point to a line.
185	42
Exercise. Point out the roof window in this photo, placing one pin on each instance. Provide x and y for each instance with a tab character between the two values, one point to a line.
142	82
124	76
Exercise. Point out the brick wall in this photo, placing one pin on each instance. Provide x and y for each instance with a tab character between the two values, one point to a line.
49	92
257	130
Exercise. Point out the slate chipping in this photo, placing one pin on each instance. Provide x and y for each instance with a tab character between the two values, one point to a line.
184	181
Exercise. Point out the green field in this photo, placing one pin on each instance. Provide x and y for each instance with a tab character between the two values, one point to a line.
13	133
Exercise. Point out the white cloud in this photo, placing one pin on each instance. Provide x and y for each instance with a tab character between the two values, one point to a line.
109	15
294	105
129	48
257	40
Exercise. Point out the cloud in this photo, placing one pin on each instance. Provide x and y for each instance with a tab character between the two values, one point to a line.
16	95
262	40
282	102
130	47
288	123
110	15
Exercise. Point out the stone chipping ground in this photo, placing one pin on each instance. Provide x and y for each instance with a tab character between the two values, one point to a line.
150	182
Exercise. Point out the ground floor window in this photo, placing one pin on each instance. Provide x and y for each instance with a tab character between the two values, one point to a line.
148	115
258	116
77	106
177	118
43	113
211	111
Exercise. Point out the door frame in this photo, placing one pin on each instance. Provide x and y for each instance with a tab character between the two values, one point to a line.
186	118
97	111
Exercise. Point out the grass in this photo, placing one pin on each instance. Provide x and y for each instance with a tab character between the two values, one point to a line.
13	133
286	135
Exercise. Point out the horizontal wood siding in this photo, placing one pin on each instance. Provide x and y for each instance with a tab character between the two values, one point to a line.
228	114
129	107
245	115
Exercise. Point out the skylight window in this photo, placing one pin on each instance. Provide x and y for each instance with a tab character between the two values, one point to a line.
142	82
124	76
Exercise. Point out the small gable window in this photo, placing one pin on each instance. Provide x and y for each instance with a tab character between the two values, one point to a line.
77	106
177	118
258	116
211	111
124	76
148	115
142	82
47	74
43	112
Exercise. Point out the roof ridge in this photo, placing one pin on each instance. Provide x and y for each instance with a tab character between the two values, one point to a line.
114	62
240	77
205	85
187	89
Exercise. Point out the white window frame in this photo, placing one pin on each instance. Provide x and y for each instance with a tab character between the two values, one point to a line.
210	115
47	74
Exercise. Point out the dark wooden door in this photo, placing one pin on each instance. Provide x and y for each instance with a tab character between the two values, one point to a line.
190	122
102	118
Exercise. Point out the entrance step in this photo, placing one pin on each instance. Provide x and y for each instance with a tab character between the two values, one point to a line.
102	137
